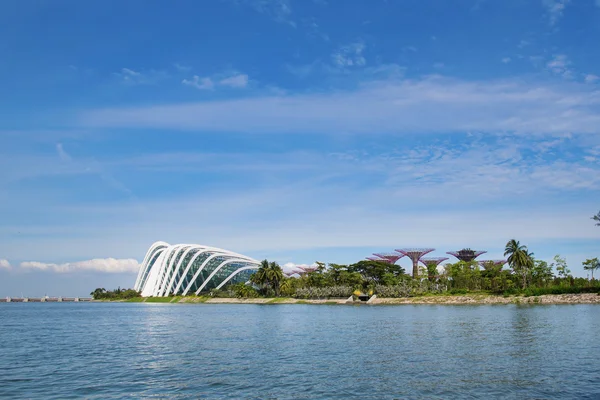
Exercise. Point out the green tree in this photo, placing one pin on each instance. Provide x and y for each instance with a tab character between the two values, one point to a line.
541	273
597	218
269	275
374	271
591	264
561	266
261	276
519	259
432	271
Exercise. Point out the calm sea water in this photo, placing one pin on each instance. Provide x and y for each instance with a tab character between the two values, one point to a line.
112	350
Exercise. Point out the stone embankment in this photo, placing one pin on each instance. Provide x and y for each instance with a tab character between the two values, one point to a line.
587	298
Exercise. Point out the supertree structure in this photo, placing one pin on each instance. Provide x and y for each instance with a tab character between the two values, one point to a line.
304	269
432	260
496	263
373	258
389	257
466	255
415	255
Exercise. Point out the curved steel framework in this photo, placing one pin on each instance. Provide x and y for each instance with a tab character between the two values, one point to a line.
415	255
186	268
466	255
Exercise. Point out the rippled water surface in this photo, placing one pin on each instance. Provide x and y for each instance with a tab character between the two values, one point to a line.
121	350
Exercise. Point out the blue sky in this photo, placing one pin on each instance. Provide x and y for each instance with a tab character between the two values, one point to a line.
292	130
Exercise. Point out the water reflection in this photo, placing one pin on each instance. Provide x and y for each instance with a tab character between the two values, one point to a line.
297	351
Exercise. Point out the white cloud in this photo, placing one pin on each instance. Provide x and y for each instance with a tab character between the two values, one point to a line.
278	10
199	83
182	68
555	9
291	268
350	55
560	66
235	81
64	156
4	264
523	43
108	265
591	78
506	60
132	77
431	104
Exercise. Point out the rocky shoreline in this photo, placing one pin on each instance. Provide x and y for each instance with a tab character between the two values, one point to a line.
586	298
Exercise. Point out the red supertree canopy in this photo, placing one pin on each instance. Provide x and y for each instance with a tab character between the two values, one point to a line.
389	257
432	260
466	255
303	269
415	254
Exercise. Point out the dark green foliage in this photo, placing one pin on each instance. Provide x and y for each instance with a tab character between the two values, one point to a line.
591	264
243	290
323	292
269	276
377	271
117	294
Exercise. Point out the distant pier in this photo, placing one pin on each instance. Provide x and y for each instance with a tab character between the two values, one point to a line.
44	299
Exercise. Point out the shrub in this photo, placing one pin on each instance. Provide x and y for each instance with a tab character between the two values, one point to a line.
323	292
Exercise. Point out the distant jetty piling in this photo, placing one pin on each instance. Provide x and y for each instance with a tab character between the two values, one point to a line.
44	299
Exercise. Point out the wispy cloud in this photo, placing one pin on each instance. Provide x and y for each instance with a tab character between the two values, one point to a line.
591	78
236	80
560	66
132	77
350	55
555	9
89	166
314	30
506	60
278	10
108	265
64	156
432	104
523	43
4	264
199	83
182	68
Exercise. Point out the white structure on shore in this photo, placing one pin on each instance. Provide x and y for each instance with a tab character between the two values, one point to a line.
182	269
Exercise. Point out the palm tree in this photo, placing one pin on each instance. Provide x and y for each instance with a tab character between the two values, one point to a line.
268	275
519	258
261	276
591	264
275	274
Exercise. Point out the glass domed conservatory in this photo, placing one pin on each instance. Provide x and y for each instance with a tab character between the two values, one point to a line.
183	269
